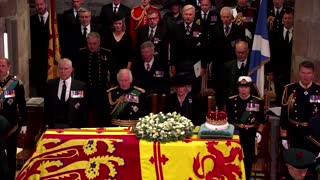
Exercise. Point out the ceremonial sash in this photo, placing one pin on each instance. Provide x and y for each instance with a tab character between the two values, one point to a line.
245	114
9	86
121	104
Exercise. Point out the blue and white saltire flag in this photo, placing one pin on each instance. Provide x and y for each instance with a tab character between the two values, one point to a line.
260	53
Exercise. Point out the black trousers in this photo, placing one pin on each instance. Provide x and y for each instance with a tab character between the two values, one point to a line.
247	140
11	147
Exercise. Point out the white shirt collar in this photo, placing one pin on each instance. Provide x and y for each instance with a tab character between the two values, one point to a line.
239	63
150	63
68	86
185	25
114	5
45	16
275	10
88	28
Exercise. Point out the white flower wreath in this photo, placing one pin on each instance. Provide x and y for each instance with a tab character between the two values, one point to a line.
164	127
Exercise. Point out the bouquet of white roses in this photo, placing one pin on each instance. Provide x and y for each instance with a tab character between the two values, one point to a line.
163	127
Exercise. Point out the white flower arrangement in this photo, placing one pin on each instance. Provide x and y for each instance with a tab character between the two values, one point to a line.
164	127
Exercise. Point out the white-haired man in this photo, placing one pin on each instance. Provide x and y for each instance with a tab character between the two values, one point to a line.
126	102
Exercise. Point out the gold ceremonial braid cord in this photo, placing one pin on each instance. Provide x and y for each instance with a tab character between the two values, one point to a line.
117	102
140	18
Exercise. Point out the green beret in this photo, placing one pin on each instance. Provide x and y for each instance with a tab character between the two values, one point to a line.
298	158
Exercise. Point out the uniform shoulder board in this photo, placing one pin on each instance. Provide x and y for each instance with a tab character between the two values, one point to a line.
140	89
252	8
106	49
232	97
289	85
81	49
257	97
112	88
15	78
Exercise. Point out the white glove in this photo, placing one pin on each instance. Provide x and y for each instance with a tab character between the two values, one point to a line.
258	137
285	144
23	130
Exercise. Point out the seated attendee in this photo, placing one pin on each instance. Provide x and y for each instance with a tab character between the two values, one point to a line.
126	102
300	164
150	73
182	100
65	100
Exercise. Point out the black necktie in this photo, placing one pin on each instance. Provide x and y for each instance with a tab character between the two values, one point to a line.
242	69
42	20
63	92
287	37
115	9
277	12
204	16
77	15
84	33
151	34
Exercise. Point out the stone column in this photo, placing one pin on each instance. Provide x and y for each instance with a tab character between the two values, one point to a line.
306	39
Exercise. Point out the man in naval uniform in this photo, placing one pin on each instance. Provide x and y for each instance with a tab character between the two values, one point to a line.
93	68
245	112
126	102
13	108
300	101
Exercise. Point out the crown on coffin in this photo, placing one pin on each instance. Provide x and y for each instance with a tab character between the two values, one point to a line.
216	118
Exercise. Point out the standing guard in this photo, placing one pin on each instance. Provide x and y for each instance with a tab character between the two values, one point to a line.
300	102
245	112
13	108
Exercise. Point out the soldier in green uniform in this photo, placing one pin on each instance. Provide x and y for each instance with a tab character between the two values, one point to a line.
300	101
126	102
245	112
4	169
13	108
94	67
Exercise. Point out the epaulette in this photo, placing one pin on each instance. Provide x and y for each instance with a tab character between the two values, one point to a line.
80	49
140	89
15	78
105	49
232	97
257	97
252	8
112	88
289	84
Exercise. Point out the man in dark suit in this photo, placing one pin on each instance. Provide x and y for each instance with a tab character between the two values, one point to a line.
187	49
66	98
236	68
69	19
281	50
108	12
150	74
223	39
79	33
93	67
156	34
39	30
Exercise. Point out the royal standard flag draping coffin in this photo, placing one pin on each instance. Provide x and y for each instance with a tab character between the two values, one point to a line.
94	154
192	160
116	154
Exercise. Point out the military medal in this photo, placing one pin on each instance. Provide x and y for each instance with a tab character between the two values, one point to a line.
305	92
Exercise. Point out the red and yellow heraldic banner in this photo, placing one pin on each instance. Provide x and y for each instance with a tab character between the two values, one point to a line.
116	154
